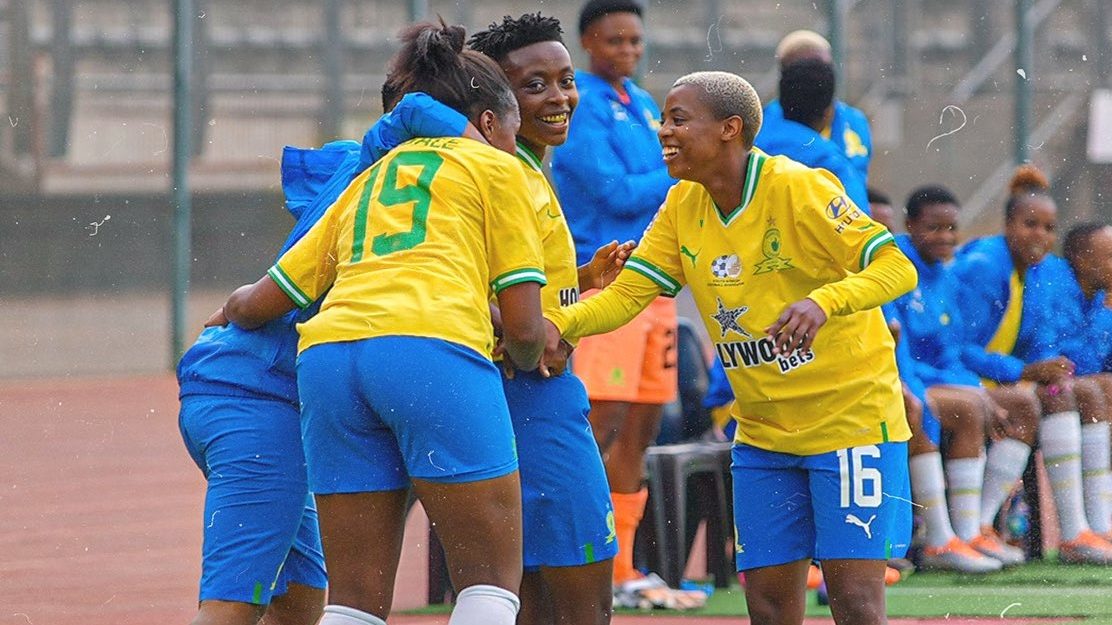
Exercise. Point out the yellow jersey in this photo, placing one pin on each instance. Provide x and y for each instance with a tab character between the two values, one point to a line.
795	235
559	247
416	245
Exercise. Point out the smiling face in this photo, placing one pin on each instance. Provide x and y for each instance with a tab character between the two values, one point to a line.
614	43
691	138
543	81
1030	231
934	231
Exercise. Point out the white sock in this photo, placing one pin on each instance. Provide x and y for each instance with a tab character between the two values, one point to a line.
1060	439
1094	471
343	615
484	605
1004	465
964	478
928	489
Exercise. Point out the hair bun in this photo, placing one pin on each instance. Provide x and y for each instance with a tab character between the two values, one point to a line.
1028	178
438	47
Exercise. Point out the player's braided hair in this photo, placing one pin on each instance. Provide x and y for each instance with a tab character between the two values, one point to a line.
728	95
926	196
806	91
433	60
498	40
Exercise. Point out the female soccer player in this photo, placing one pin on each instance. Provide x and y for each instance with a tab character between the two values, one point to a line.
396	383
788	281
569	539
610	179
1009	293
935	329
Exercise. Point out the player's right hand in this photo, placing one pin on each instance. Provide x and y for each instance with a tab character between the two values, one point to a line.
556	352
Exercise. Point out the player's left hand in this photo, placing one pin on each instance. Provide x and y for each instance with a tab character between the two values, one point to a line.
216	319
796	327
607	263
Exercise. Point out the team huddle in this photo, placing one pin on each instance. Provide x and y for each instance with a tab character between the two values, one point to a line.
414	334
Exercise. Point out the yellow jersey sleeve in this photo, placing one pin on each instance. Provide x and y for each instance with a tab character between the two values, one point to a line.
308	268
654	269
657	257
834	222
837	228
511	229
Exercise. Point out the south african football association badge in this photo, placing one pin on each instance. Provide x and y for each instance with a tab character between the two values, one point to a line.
725	270
771	247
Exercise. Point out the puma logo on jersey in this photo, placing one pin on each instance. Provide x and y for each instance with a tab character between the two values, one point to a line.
853	520
688	253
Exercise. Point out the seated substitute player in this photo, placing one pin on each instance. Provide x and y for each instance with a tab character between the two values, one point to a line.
568	522
978	484
848	128
807	102
240	419
1085	337
820	458
1008	298
408	252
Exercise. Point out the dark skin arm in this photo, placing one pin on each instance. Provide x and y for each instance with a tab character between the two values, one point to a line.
252	305
522	327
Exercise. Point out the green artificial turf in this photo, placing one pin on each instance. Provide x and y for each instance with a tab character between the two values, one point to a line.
1036	589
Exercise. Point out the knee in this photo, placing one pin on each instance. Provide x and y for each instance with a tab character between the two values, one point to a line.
767	608
858	604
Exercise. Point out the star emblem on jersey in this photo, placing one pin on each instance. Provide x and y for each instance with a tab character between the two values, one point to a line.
727	319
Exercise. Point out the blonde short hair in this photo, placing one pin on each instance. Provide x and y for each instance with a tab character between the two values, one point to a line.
801	42
728	95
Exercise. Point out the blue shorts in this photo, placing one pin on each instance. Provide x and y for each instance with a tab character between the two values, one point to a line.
260	524
847	504
568	519
378	411
932	427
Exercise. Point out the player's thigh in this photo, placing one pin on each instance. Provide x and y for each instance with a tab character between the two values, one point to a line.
961	410
256	493
1023	407
567	515
659	373
479	525
773	517
862	502
362	538
1091	402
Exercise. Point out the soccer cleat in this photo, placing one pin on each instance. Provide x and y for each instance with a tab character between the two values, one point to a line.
989	543
958	556
651	592
1087	548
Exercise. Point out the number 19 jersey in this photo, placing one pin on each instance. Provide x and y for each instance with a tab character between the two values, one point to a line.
415	246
